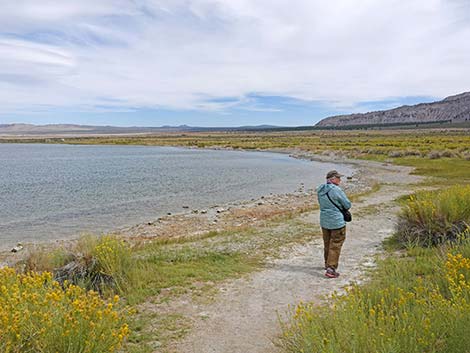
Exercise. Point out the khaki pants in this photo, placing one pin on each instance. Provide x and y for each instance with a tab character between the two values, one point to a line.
333	240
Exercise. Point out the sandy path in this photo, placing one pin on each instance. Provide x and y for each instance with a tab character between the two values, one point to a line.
244	316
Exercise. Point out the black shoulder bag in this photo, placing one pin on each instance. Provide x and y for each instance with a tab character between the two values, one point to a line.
346	214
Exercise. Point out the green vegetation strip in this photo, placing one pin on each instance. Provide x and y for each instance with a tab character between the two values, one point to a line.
441	153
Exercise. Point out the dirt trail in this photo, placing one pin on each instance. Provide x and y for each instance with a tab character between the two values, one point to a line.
244	316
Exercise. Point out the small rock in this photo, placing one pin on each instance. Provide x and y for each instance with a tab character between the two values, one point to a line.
169	214
150	223
195	211
17	248
203	211
185	206
260	203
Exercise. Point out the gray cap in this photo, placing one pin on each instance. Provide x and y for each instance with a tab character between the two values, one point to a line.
333	174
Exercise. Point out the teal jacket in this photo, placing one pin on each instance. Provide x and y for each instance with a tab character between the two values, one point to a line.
330	216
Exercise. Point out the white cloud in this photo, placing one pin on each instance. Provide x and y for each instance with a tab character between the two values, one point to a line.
179	54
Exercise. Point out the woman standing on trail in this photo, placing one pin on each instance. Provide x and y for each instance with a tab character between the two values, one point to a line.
331	199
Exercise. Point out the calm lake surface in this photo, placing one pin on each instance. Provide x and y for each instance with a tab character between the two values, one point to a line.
50	192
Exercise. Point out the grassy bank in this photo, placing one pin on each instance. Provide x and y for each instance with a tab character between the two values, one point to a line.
417	300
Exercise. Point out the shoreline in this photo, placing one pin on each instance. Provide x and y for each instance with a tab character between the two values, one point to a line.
227	216
28	230
243	213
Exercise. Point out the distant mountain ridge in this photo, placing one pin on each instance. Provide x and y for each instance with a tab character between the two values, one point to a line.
19	129
453	109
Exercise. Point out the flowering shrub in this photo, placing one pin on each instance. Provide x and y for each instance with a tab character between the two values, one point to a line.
434	217
458	277
425	318
114	259
38	315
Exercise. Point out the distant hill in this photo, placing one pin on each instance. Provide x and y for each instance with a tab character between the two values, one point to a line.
71	129
453	109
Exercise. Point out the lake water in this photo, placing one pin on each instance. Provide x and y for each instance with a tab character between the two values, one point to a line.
50	192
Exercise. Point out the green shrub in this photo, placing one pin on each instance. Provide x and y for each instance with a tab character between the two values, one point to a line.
434	217
99	263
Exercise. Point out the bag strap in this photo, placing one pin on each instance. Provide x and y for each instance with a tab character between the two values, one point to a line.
329	198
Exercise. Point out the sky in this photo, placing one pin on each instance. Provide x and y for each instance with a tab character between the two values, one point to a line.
226	62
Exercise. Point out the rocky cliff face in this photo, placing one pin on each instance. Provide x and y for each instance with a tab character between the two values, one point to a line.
454	108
